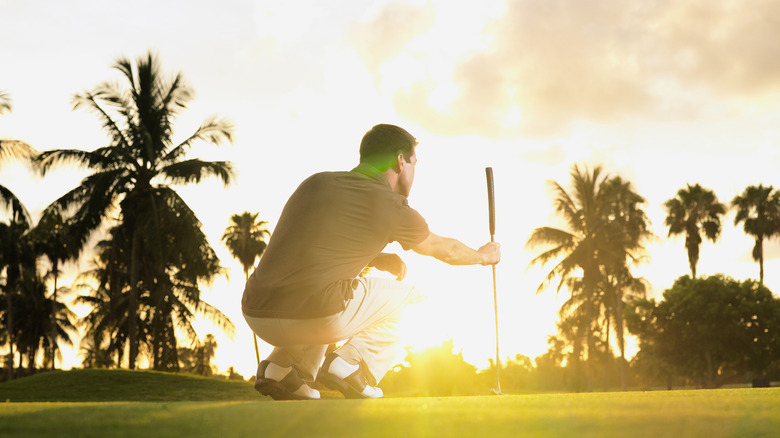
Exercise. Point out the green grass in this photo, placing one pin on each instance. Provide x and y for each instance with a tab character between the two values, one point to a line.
698	413
121	385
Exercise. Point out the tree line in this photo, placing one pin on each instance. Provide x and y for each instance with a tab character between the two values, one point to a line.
151	259
705	332
144	284
592	258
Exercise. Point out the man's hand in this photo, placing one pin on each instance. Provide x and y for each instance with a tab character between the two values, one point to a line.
391	263
490	253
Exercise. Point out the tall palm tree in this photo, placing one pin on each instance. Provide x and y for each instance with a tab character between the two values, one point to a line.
246	237
12	253
130	174
695	210
758	207
606	227
628	230
16	256
52	238
12	149
576	248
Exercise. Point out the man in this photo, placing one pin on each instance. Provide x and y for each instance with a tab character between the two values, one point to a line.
305	294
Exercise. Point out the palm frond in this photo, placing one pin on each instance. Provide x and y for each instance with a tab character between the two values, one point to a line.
550	236
213	130
561	271
98	160
9	201
5	103
193	171
92	200
176	95
15	149
217	317
90	100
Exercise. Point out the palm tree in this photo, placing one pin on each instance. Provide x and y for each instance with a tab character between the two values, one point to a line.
629	228
12	149
605	233
13	252
35	313
174	297
52	238
105	330
197	360
97	345
759	208
130	174
694	210
16	256
576	248
245	237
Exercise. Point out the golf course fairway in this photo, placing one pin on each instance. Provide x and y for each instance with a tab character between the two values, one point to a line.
741	412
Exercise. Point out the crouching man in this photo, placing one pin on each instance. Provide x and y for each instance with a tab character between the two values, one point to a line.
305	293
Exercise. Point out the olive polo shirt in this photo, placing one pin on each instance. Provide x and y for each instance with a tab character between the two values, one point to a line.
333	226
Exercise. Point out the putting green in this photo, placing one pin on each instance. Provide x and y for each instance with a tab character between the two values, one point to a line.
705	413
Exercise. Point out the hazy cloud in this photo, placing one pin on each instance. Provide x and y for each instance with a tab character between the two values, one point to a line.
554	62
386	35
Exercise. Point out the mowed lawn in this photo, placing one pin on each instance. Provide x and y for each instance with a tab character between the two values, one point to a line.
687	413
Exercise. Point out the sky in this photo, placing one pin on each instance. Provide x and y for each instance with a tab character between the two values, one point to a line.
662	93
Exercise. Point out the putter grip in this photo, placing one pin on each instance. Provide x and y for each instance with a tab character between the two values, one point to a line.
491	201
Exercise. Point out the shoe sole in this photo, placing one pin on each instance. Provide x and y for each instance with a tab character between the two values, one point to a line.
276	390
340	385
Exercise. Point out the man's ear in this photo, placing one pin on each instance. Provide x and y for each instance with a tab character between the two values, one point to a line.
399	162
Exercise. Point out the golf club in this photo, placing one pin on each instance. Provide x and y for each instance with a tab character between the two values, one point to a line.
492	221
257	350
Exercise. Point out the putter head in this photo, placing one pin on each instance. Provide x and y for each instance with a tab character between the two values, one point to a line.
496	391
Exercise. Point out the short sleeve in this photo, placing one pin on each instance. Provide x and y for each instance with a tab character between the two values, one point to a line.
411	228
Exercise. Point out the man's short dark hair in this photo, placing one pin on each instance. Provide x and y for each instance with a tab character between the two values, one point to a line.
382	143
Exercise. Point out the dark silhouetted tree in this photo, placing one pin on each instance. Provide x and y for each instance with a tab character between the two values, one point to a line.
758	208
693	212
130	176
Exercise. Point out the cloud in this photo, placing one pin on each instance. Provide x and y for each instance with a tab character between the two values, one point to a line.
387	34
553	63
728	47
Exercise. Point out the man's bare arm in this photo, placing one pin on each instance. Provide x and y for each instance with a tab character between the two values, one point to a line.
454	252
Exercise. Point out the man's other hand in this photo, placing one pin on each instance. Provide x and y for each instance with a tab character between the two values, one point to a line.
391	263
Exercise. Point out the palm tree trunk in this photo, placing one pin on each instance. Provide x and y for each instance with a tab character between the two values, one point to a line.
619	331
132	311
607	355
55	271
693	252
590	294
10	326
760	244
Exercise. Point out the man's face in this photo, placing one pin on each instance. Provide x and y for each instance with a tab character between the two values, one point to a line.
406	176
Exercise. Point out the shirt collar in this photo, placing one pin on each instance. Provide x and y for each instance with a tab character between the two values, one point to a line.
371	172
